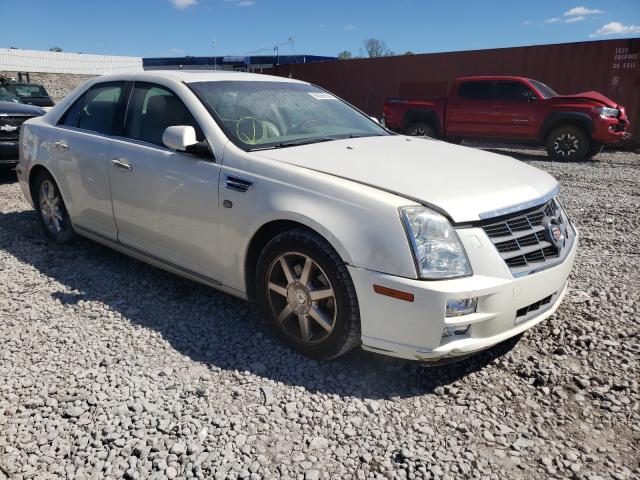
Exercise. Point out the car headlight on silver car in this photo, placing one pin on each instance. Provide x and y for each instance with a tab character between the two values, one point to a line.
436	247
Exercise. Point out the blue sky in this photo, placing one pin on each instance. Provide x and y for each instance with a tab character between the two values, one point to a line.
151	28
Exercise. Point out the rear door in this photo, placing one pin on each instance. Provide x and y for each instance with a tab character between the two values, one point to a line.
165	202
79	146
513	109
469	110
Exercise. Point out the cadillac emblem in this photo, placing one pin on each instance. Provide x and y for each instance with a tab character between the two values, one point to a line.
554	231
8	128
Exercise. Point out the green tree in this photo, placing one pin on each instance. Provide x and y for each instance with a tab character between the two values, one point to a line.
345	55
55	49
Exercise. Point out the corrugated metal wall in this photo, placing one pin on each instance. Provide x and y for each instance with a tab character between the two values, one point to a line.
611	67
16	60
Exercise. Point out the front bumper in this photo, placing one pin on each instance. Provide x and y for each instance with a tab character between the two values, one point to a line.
414	330
8	152
611	130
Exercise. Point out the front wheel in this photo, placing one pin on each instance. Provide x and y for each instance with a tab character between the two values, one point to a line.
567	143
53	217
421	129
306	294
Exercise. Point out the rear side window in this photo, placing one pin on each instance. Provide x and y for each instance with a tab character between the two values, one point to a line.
72	115
513	91
152	109
476	90
100	107
30	90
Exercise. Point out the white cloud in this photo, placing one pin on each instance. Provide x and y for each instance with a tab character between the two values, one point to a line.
526	23
350	27
580	11
241	3
182	4
616	28
552	20
575	19
175	51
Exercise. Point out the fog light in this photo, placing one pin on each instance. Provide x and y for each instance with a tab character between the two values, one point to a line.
461	306
457	330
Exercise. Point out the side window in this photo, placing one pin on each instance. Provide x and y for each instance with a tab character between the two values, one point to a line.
151	110
512	91
475	90
101	107
72	115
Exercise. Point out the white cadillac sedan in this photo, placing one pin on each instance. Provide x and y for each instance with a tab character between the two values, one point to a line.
278	192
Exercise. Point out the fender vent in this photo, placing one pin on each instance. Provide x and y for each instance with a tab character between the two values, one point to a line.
237	184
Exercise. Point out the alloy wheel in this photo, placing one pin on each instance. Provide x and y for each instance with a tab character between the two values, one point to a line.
566	144
301	297
50	207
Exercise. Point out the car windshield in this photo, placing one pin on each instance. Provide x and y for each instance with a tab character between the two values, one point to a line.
261	114
545	91
7	96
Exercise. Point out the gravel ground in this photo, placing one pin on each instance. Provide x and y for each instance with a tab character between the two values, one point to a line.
110	368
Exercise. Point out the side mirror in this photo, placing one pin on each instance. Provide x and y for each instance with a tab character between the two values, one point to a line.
179	137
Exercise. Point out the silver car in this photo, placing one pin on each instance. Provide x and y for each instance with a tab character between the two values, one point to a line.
278	192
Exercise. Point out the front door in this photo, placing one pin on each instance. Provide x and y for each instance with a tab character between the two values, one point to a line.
165	203
514	110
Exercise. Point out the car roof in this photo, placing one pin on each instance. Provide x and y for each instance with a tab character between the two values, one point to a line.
190	76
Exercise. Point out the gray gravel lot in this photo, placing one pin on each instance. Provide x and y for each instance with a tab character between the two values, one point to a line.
110	368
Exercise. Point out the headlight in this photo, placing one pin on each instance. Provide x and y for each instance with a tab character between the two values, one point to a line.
436	248
606	111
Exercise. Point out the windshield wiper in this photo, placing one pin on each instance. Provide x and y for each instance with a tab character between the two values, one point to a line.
295	143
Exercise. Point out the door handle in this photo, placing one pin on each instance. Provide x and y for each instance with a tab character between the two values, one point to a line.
61	145
121	163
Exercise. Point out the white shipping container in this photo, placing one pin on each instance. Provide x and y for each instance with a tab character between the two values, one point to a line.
17	60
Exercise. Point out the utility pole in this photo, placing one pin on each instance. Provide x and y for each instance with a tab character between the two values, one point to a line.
215	59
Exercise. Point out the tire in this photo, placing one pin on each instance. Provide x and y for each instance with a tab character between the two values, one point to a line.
52	212
285	299
567	143
594	149
421	129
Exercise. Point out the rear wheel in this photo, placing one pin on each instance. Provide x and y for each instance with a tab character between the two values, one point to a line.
53	215
567	142
307	296
594	149
421	129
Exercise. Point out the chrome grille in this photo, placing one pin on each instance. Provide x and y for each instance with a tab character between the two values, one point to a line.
8	123
521	242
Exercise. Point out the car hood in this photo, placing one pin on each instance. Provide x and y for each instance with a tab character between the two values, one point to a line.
13	108
595	96
465	183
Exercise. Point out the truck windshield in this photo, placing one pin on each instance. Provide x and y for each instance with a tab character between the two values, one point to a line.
260	114
545	91
7	96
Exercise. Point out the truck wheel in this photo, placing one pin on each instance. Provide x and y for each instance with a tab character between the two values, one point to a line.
594	149
421	129
567	142
306	294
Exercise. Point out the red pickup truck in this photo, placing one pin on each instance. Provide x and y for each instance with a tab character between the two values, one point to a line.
514	110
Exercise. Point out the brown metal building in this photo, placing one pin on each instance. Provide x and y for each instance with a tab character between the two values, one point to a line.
611	67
